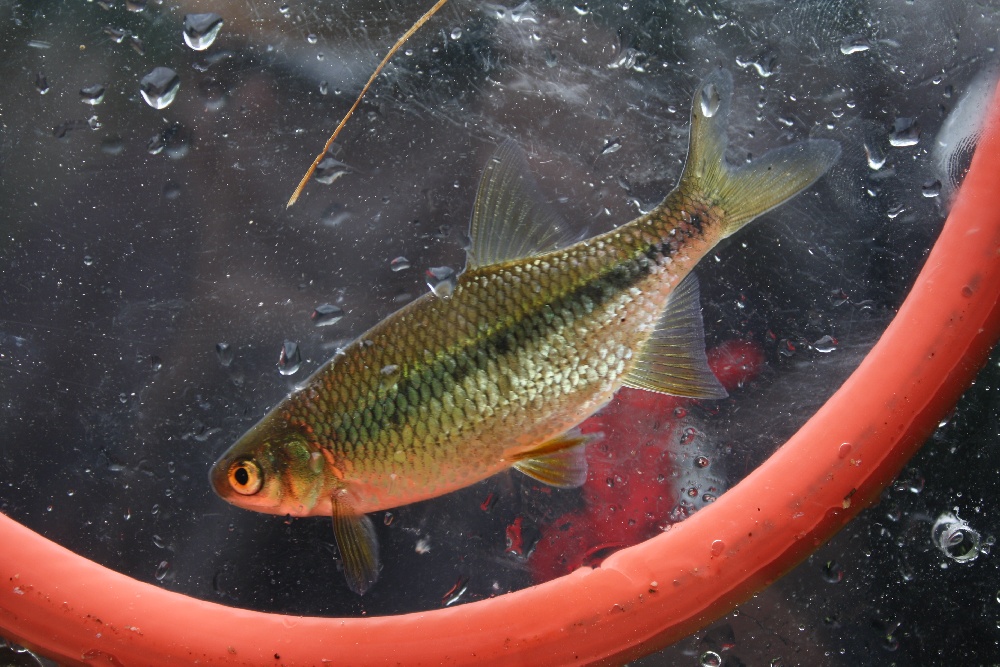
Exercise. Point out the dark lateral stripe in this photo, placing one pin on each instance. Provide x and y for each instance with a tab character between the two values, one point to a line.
425	379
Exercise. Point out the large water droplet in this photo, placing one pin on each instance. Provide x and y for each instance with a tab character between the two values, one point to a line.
875	155
854	44
904	132
931	189
826	344
159	87
709	100
225	353
200	30
162	570
442	280
290	358
955	538
92	94
326	314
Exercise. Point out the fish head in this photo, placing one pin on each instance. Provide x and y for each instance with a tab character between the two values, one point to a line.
273	469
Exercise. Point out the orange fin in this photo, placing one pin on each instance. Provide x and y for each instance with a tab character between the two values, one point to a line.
560	462
358	544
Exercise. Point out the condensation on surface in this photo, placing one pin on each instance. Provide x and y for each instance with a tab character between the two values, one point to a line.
158	298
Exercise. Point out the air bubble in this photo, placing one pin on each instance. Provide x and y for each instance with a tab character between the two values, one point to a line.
159	87
955	538
326	315
399	264
710	659
442	280
290	358
200	30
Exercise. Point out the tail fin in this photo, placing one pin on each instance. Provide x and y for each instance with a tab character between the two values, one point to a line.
747	191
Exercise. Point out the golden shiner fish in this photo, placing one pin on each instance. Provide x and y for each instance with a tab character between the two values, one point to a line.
538	334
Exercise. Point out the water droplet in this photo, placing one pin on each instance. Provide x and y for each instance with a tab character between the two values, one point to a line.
290	358
41	83
955	538
200	30
324	87
875	156
854	44
326	315
388	518
709	100
904	132
155	363
88	260
284	9
159	87
171	190
135	5
581	8
456	33
225	353
844	451
832	572
611	145
158	542
442	280
825	345
161	570
116	35
701	462
455	592
311	38
718	546
710	659
330	169
137	45
92	95
690	433
399	264
931	189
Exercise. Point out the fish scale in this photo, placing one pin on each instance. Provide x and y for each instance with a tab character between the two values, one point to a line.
538	333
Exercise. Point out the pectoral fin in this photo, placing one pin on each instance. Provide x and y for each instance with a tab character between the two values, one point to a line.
673	360
560	462
358	544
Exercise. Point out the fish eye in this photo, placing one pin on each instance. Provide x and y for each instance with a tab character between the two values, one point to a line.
245	477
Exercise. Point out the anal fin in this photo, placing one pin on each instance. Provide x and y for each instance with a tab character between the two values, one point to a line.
560	462
358	545
673	361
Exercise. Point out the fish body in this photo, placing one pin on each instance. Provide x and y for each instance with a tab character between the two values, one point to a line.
537	335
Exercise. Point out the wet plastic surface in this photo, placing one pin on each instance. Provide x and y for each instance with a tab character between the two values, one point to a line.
126	270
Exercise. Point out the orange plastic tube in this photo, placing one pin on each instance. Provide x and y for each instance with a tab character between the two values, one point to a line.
640	599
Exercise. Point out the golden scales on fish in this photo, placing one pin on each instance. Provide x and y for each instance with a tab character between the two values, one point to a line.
538	334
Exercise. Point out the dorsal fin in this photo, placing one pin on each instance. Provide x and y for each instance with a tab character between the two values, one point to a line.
510	219
673	361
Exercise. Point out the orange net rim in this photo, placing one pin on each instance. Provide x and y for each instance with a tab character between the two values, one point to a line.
640	599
